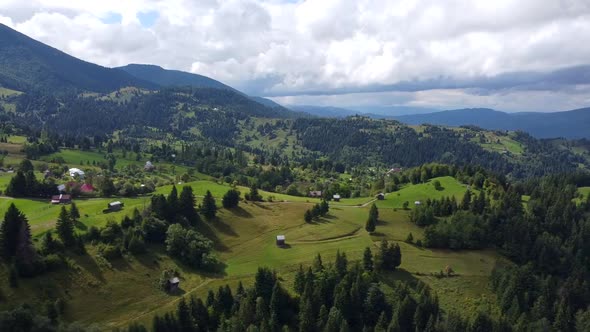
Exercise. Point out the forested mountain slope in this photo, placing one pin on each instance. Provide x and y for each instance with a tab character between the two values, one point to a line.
26	64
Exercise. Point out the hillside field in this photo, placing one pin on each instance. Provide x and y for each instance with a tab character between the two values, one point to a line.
123	290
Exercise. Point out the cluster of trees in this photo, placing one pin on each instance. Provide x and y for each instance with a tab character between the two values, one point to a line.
336	297
318	210
231	199
25	184
181	209
548	240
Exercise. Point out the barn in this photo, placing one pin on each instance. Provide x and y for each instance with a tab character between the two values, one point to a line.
280	240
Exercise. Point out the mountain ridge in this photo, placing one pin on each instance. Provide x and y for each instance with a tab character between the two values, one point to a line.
568	124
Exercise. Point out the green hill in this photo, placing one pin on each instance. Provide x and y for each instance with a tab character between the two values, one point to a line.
27	64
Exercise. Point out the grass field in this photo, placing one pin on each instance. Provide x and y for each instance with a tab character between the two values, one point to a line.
42	214
423	191
118	292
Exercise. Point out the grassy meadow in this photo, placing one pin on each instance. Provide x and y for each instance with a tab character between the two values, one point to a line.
124	290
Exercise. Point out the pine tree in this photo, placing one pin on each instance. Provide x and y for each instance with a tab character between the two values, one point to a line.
299	283
396	256
368	259
466	202
306	317
186	205
308	217
340	263
374	212
318	264
183	315
410	238
65	228
48	243
9	231
371	224
208	208
74	213
231	199
172	205
324	208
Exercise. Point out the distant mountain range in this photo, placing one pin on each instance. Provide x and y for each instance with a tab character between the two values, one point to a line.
568	124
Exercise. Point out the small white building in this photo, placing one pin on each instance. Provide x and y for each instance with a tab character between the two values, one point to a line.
336	198
76	171
417	203
148	166
280	240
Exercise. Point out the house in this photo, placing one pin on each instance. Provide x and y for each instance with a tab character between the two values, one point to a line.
417	203
173	284
380	196
336	198
87	188
61	199
76	172
148	166
394	170
61	188
115	206
316	193
280	240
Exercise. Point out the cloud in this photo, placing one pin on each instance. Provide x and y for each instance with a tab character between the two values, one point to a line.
446	53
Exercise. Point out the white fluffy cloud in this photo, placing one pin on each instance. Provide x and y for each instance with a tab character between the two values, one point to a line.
326	50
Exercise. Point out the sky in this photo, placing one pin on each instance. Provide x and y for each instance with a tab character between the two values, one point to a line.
525	55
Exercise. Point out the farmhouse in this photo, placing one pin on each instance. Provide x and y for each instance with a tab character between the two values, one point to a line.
173	284
76	172
336	198
380	196
87	188
317	193
280	240
115	206
61	199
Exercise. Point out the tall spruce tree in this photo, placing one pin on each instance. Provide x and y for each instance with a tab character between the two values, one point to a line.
172	205
208	208
9	231
65	228
186	205
368	259
74	213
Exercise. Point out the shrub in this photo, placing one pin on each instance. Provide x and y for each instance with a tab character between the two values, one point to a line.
109	251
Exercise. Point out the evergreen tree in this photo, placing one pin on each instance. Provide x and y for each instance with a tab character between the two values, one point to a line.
74	213
308	216
340	263
370	224
183	315
231	199
374	212
48	244
318	265
17	187
299	283
466	202
306	317
186	205
65	228
324	208
208	208
9	230
368	259
172	204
